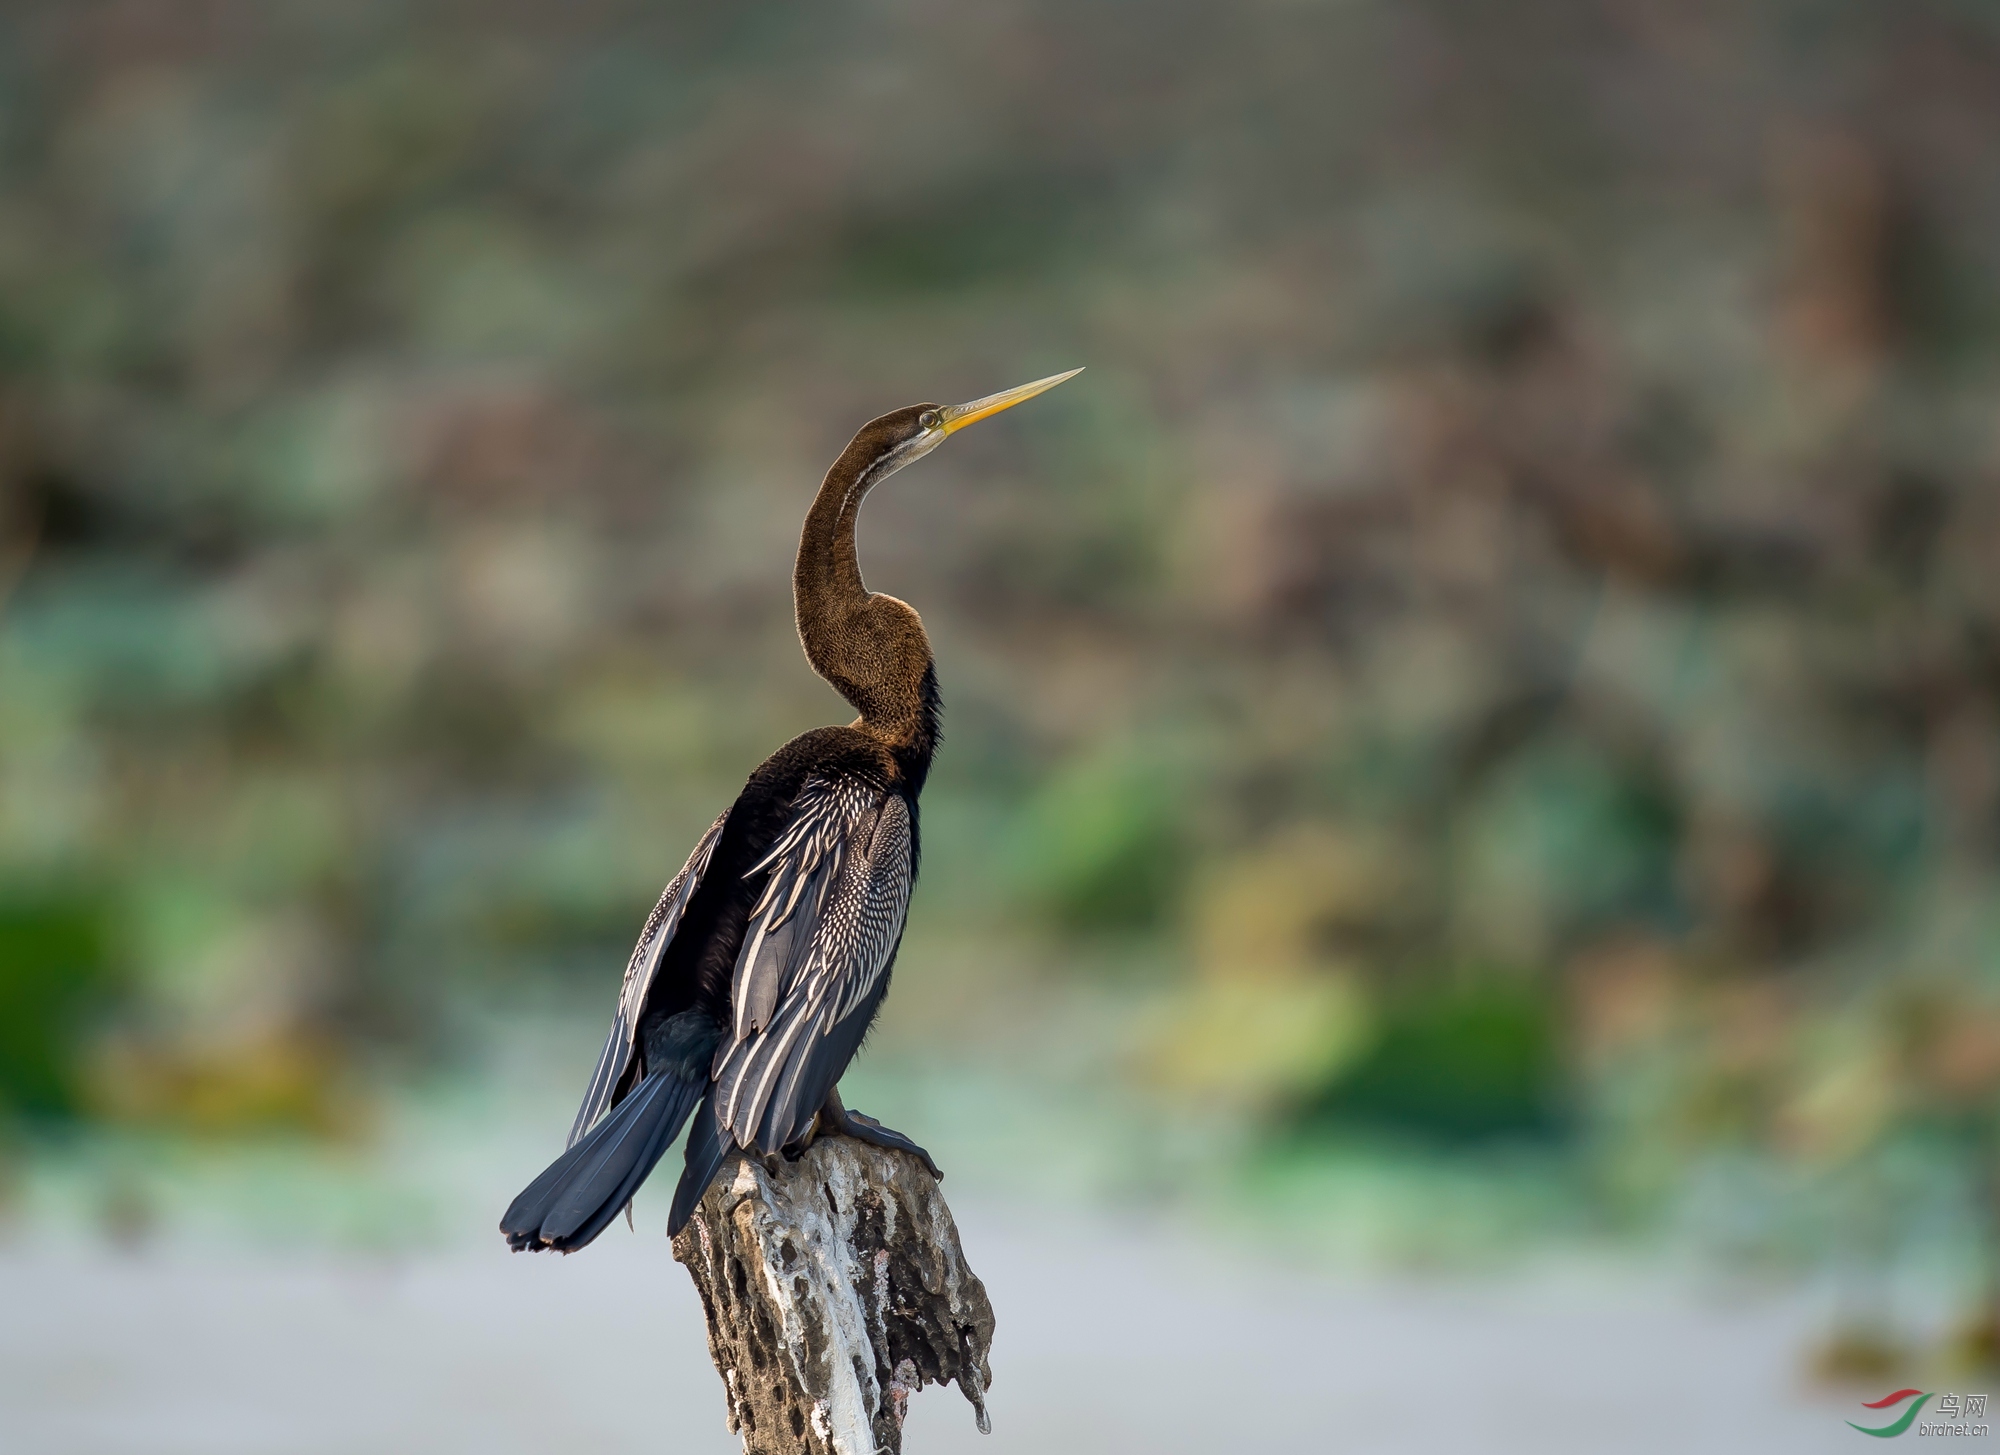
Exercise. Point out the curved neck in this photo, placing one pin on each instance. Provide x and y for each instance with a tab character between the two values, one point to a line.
870	648
826	581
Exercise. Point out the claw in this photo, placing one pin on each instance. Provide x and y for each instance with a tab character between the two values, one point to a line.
864	1128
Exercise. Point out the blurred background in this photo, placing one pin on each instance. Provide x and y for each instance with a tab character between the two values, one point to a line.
1466	855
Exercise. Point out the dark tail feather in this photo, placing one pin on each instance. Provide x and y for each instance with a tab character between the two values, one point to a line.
708	1144
582	1191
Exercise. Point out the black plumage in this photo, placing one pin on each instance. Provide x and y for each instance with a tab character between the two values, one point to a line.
764	963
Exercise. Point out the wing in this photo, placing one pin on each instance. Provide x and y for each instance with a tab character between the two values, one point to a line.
815	957
607	1083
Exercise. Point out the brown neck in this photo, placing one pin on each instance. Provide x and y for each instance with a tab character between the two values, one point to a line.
870	647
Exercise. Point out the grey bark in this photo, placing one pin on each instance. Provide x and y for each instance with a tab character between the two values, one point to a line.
835	1288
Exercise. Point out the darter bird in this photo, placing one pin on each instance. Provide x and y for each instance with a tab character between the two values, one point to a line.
761	969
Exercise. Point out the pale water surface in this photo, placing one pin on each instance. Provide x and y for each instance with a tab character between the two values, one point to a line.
1112	1338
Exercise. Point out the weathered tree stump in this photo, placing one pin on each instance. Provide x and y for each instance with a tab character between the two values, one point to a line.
835	1288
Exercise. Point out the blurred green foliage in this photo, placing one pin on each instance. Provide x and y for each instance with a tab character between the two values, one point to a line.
1475	1061
1100	845
56	979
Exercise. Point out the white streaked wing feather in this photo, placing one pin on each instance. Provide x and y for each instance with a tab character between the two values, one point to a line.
840	878
638	982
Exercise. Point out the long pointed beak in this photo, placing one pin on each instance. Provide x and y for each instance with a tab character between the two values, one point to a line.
960	415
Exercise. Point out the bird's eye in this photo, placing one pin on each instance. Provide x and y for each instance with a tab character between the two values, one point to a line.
929	419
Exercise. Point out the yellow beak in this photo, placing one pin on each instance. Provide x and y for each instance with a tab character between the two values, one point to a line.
960	415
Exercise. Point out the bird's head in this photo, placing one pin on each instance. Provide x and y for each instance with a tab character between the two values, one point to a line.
904	436
872	647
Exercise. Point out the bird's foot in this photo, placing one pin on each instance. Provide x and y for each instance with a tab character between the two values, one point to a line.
834	1117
